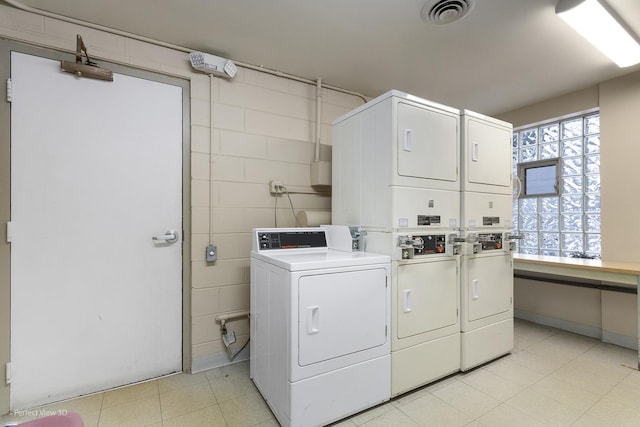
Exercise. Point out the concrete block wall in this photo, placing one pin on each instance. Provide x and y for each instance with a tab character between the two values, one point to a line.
245	132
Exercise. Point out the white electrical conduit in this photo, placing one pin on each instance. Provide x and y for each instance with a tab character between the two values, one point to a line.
30	9
318	117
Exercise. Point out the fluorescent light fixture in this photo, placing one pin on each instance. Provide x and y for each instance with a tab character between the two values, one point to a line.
594	22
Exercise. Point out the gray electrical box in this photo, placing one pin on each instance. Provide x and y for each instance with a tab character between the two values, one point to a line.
212	253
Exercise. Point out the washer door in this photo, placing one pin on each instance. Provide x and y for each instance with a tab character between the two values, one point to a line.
341	313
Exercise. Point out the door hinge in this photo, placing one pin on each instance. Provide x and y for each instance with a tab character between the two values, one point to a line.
9	91
7	373
9	231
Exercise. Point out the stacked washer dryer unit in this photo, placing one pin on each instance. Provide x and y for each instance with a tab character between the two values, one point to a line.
320	349
395	174
487	266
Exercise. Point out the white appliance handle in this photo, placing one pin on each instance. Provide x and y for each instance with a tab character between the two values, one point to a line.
406	301
475	284
407	141
313	319
475	152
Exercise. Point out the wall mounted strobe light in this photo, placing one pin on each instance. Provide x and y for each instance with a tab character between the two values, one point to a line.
212	64
593	20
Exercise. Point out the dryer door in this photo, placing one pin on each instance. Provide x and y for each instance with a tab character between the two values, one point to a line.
341	313
489	286
427	297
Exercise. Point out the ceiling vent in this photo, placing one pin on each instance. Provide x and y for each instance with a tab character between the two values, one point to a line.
442	12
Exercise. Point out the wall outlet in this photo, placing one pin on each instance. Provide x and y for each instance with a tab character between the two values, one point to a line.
276	187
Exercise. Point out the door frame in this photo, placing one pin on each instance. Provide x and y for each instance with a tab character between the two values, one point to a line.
6	47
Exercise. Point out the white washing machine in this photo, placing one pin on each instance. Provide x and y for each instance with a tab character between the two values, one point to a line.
320	346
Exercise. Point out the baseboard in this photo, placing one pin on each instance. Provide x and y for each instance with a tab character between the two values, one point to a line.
217	360
619	339
565	325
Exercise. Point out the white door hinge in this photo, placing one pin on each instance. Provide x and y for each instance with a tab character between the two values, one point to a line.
9	231
9	91
7	373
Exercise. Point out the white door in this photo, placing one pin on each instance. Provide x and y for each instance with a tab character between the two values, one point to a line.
341	313
489	285
427	297
427	143
488	153
96	170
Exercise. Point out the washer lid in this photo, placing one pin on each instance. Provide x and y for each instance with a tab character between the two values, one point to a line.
300	261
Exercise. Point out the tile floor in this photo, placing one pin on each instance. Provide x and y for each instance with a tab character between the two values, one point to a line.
552	378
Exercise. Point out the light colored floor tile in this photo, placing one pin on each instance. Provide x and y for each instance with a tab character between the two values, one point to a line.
240	368
567	393
633	378
392	418
210	416
626	392
429	410
173	382
141	412
246	410
551	378
403	399
370	414
544	409
440	383
508	416
466	399
510	370
541	362
274	423
91	419
527	333
570	341
231	385
590	421
593	376
612	412
188	399
491	384
81	405
613	354
130	393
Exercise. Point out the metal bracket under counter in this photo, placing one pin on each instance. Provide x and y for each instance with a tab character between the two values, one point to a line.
571	281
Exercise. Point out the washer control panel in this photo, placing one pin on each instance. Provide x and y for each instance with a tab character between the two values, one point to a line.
274	240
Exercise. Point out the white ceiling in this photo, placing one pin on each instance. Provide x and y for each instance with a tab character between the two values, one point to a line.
503	55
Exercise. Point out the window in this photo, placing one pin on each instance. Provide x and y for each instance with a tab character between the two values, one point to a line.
539	178
558	163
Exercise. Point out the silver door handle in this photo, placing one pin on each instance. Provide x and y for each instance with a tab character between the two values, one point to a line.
170	236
